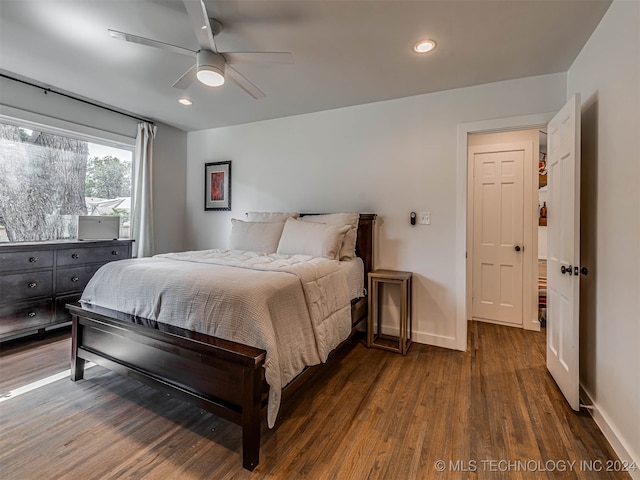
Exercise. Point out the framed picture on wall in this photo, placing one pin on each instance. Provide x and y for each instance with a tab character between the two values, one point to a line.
217	186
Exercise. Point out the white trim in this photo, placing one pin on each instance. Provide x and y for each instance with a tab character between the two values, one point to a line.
425	338
624	452
57	126
464	129
437	340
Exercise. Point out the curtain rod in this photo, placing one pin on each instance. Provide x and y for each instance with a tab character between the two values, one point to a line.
48	90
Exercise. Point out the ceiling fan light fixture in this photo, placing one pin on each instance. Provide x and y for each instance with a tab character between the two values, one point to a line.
424	46
210	68
210	76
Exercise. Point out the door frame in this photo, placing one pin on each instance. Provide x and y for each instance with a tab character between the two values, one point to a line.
529	238
464	129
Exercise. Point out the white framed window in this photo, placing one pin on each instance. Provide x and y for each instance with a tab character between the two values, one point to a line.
49	176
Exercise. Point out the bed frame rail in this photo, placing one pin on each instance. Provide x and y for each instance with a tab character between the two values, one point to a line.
203	370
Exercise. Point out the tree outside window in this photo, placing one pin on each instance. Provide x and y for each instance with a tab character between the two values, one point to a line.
47	180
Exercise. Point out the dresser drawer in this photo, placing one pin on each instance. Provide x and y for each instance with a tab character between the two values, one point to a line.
81	256
62	314
74	279
12	261
23	317
22	286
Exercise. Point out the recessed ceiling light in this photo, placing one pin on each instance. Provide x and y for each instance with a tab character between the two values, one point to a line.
185	101
424	46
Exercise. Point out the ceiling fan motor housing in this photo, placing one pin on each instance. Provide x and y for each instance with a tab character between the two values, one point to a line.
210	67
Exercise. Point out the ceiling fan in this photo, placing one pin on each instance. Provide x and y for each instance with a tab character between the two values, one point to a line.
211	67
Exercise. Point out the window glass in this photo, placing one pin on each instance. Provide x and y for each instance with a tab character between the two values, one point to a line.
47	180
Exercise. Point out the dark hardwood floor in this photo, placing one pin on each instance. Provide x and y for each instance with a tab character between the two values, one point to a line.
491	412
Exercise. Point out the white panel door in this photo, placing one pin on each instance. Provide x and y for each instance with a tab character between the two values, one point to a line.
563	249
498	200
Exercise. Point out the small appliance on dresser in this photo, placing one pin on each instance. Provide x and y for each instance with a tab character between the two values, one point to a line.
37	280
98	227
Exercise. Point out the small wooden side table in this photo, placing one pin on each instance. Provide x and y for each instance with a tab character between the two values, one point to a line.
401	343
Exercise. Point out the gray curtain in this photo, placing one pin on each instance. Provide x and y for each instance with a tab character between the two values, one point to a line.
142	221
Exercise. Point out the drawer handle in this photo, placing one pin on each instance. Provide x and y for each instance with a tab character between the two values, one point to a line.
32	314
33	259
114	252
74	279
33	285
75	256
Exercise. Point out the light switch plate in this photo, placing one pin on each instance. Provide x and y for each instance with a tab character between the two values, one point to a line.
425	218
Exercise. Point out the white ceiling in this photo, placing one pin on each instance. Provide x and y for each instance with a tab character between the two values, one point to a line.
346	52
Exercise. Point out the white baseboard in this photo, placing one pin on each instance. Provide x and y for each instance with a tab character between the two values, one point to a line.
436	340
426	338
624	452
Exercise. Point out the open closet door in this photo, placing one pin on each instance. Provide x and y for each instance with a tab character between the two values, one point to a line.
563	272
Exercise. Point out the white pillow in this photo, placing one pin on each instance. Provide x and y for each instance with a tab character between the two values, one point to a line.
270	217
255	236
348	249
315	239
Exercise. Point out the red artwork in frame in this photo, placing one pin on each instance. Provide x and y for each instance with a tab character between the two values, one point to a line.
217	186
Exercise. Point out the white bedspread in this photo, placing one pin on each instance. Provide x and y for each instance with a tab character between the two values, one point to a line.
295	307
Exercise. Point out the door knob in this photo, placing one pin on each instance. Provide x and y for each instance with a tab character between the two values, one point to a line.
568	270
584	271
518	248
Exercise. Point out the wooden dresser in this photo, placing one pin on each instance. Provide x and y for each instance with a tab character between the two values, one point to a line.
37	280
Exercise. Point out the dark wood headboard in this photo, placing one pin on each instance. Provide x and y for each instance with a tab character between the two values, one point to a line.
365	242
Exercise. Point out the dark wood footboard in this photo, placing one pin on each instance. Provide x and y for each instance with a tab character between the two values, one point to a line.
223	377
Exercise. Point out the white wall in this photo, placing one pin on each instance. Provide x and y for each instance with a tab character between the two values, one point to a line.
606	73
390	158
169	183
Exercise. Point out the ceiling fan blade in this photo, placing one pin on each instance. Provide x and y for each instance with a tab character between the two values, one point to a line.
258	57
187	79
243	83
128	37
197	13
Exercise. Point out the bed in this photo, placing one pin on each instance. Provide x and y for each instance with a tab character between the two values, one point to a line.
224	376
